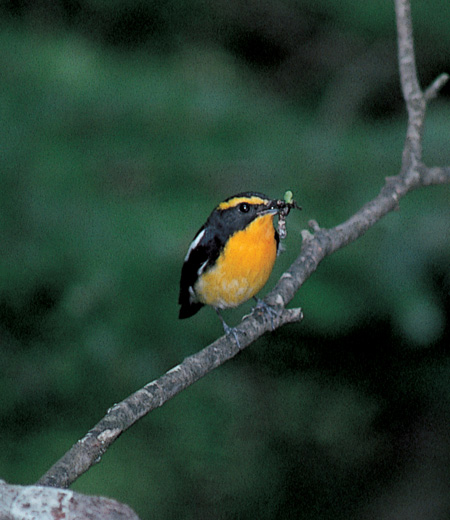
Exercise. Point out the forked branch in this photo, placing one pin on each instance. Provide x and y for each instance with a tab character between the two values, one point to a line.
316	245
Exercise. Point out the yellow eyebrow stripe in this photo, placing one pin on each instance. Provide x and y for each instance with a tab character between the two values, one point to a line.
232	203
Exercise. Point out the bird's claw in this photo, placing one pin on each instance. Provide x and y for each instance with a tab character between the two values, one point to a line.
266	309
232	330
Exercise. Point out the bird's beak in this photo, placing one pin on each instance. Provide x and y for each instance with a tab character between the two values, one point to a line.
270	208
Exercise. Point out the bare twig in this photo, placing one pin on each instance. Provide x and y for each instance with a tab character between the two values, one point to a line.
315	247
432	91
414	98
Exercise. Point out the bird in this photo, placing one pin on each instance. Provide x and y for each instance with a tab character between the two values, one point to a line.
232	255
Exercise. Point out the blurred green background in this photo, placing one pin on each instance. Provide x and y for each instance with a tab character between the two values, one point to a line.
123	124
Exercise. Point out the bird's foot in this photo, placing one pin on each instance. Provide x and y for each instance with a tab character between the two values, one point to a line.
228	330
232	330
266	309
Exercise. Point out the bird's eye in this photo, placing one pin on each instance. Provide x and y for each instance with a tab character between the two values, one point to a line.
244	207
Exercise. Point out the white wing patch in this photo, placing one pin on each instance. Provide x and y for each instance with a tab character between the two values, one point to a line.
192	295
202	267
194	244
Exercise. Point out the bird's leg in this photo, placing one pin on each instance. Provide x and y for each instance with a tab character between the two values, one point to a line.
228	330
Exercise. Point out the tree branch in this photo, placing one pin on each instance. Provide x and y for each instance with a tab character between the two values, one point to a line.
34	502
89	450
315	246
412	94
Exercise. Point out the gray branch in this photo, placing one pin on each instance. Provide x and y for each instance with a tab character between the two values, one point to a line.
37	502
317	244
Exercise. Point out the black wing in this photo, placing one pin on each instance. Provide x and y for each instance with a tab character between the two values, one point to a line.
202	254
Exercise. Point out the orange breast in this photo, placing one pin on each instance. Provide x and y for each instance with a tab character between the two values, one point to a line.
243	268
